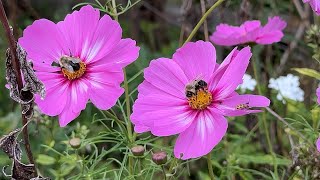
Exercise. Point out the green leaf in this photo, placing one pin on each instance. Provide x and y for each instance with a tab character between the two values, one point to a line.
262	159
308	72
45	159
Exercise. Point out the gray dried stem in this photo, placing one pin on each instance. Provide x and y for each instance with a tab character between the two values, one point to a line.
16	66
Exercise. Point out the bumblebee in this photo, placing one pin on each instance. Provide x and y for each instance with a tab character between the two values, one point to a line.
193	87
70	63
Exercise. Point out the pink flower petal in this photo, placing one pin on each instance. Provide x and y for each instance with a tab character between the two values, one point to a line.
196	59
315	5
43	42
164	114
56	93
232	76
226	35
202	136
272	31
124	53
66	116
228	105
220	69
105	87
249	32
318	95
270	37
106	37
78	29
318	144
166	75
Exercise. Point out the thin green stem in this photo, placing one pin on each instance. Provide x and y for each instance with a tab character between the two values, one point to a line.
203	18
210	166
255	65
127	99
164	173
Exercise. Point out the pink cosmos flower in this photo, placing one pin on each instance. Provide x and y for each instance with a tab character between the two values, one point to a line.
318	144
190	94
315	5
249	32
318	95
78	59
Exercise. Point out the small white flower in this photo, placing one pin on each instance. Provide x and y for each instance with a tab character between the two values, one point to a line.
247	84
287	87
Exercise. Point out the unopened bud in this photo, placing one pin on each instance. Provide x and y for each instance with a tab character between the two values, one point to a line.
137	150
75	143
159	158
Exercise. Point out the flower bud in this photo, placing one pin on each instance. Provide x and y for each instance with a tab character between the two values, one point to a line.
159	158
137	150
75	143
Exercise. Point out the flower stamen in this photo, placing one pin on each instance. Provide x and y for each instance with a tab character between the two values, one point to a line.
72	67
198	95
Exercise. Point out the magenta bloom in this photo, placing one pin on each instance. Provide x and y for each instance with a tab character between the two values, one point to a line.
190	94
249	32
78	59
315	5
318	144
318	95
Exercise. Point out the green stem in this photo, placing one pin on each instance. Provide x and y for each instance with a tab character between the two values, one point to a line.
255	65
210	166
164	172
204	17
127	97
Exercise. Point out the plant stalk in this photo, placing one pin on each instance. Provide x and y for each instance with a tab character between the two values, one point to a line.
16	66
203	18
127	99
209	164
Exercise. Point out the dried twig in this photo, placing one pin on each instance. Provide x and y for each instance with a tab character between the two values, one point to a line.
285	122
16	67
299	33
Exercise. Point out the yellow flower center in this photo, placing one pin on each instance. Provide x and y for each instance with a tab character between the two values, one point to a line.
71	67
198	95
200	100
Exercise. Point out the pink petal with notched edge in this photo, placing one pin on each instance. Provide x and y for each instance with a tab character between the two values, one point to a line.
105	87
318	95
272	31
106	37
232	76
164	114
202	136
250	31
43	42
318	144
117	57
270	37
78	29
228	105
66	116
196	59
315	5
220	69
138	128
88	37
56	92
167	75
226	35
274	24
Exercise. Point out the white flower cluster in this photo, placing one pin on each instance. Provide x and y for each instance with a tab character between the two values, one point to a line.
287	87
247	84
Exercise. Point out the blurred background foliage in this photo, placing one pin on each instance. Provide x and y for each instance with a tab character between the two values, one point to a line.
157	25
